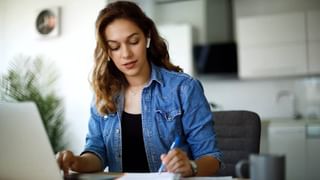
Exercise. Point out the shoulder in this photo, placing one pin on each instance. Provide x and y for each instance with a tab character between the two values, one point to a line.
182	80
171	81
179	77
94	110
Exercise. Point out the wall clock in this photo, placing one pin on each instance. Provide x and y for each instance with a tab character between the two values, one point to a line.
48	22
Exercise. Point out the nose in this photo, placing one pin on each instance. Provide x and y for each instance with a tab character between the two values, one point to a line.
126	52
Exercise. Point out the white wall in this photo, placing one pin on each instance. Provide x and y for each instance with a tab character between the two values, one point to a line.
268	98
2	13
72	52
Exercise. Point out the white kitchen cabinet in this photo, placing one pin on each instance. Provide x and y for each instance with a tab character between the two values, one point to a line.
273	61
289	139
271	29
313	26
279	45
180	47
299	141
312	150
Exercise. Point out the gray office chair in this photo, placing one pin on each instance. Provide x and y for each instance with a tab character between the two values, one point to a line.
238	136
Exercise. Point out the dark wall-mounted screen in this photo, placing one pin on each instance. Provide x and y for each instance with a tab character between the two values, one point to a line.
216	59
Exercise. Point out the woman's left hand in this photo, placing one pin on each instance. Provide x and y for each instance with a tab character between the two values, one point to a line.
177	161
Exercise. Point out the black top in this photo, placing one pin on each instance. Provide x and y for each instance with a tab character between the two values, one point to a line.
134	157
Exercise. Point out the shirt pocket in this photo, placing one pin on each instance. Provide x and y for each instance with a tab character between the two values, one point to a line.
169	123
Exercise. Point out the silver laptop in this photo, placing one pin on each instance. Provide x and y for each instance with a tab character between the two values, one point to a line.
25	150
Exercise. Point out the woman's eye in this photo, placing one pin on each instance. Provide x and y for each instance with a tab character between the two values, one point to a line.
114	48
135	41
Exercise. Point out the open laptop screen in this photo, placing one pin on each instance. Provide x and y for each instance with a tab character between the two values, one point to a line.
25	149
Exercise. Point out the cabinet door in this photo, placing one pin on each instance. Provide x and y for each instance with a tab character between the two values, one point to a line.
273	45
313	149
273	61
313	27
290	140
180	47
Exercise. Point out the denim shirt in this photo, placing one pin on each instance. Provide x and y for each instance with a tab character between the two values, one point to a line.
173	104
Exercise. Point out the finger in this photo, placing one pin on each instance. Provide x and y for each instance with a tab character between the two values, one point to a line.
64	164
58	159
172	158
167	158
172	163
162	156
176	157
67	160
182	167
179	163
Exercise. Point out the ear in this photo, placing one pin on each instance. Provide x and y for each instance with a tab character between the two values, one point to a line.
148	42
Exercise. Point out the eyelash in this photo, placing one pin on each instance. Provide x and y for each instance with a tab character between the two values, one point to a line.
132	43
114	49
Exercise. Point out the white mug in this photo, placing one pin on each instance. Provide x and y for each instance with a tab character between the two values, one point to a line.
263	167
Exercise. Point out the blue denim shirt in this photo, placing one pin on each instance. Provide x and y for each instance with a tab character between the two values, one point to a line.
173	104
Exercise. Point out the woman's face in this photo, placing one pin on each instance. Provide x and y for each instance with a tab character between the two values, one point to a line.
127	47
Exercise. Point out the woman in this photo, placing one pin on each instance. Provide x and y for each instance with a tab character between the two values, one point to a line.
142	103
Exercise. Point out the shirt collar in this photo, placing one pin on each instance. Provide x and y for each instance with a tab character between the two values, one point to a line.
155	75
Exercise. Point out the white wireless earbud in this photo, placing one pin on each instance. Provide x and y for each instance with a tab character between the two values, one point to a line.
148	42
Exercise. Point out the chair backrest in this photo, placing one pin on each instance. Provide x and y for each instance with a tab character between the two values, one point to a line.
238	136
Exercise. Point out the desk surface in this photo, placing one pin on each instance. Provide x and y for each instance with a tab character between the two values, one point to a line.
111	176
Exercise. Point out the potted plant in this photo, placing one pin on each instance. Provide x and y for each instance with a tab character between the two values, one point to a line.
29	79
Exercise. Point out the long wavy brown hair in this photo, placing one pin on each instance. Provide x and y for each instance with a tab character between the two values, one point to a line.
107	81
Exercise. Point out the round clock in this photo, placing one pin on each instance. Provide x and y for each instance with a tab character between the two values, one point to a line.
46	22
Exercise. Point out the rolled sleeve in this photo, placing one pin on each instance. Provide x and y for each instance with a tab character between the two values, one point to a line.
94	139
198	122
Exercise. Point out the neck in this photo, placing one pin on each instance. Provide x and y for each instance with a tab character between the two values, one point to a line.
135	86
139	80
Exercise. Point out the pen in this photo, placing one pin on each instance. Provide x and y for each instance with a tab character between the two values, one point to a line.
173	145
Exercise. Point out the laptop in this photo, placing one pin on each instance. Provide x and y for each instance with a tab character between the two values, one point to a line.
25	150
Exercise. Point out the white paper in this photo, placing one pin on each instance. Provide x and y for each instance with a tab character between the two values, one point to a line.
208	178
150	176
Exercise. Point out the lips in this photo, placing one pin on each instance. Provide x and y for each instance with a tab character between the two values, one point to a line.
130	65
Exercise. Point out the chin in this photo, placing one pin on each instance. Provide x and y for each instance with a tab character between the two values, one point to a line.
131	73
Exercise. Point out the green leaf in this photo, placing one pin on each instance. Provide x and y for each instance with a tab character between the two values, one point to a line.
30	79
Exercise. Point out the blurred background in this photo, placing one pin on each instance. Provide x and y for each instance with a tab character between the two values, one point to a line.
257	55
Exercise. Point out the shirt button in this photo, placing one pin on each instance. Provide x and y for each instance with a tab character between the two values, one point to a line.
117	131
105	116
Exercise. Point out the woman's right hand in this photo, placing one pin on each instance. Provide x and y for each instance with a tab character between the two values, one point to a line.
67	160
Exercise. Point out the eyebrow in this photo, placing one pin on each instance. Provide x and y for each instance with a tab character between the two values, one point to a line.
131	35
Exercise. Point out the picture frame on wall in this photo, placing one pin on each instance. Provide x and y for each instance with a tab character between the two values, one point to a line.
47	22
